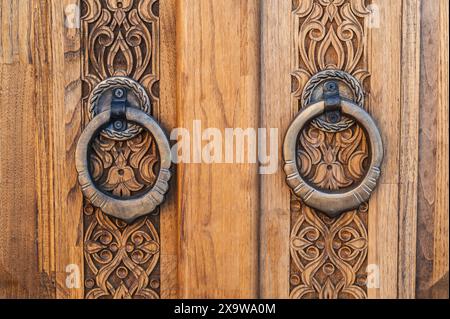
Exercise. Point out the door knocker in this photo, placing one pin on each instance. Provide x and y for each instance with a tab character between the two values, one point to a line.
342	112
119	110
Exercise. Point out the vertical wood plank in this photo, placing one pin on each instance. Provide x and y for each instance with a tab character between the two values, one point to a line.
19	266
218	69
427	152
432	221
409	148
45	186
44	212
26	252
66	86
276	112
168	118
58	89
441	232
385	107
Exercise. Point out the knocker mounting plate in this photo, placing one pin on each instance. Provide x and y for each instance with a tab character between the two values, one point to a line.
100	101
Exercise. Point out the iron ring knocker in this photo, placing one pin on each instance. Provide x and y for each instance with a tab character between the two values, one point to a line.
332	203
125	209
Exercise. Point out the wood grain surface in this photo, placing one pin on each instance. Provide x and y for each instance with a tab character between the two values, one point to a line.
218	84
409	150
276	112
40	94
167	115
385	94
433	188
67	128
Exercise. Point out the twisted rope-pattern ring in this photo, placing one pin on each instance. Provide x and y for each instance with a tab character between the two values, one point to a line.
354	84
137	89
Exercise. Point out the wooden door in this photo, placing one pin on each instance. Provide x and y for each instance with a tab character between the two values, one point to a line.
227	228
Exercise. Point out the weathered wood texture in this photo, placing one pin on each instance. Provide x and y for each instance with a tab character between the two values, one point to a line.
409	149
19	255
408	222
66	61
218	84
41	205
433	185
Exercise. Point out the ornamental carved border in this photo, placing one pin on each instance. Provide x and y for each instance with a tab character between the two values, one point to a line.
121	38
328	257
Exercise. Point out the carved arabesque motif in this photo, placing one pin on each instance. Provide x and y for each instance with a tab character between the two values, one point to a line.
333	161
329	256
332	34
121	259
125	168
121	38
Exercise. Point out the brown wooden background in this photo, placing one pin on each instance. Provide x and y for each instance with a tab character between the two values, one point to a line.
225	229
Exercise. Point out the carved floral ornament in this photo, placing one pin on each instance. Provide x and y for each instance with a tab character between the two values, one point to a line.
121	258
333	161
125	168
120	40
331	36
328	255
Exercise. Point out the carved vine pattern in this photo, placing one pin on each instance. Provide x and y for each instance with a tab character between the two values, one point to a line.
329	256
121	38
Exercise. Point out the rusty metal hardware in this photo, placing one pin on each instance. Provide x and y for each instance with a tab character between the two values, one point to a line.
122	119
333	106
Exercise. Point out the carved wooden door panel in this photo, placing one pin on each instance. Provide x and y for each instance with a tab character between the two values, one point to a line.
380	54
347	199
64	64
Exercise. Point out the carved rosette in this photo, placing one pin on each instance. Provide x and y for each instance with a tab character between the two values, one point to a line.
121	38
329	256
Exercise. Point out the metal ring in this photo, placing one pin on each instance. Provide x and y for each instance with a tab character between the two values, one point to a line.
127	209
332	203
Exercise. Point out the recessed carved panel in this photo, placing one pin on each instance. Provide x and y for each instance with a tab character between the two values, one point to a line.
329	256
121	38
